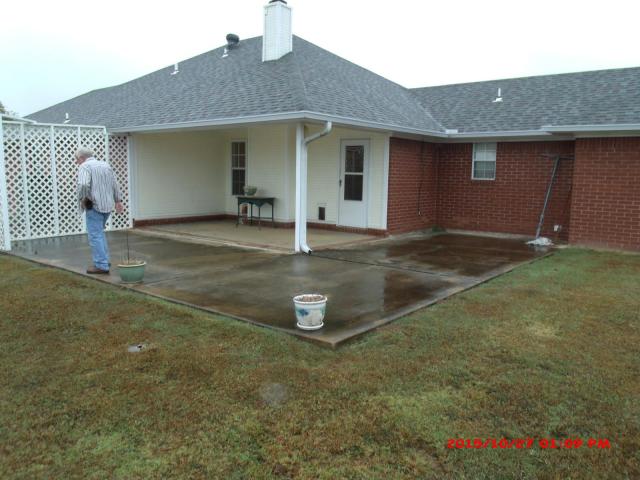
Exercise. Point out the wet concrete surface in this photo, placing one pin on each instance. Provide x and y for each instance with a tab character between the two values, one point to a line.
367	285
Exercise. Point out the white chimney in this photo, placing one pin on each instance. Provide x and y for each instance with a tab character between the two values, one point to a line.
277	40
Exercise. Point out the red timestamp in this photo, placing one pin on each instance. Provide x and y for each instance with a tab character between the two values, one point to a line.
553	443
527	443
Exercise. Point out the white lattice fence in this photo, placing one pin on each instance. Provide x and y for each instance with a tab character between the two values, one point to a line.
119	160
66	142
38	193
5	236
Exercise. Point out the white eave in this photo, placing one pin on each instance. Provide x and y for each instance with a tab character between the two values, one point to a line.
279	117
594	130
547	132
506	136
12	118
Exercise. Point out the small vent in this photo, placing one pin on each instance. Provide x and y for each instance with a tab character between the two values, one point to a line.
321	215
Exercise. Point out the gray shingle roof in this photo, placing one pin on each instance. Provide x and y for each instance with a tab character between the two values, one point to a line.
586	98
210	87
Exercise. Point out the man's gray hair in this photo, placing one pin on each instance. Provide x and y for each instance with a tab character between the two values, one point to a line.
84	152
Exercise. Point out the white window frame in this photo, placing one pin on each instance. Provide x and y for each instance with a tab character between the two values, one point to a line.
487	147
246	163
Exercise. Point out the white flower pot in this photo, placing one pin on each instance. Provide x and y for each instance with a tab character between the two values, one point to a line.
310	310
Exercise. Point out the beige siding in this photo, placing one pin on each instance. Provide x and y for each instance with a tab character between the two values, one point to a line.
324	173
183	174
178	174
266	162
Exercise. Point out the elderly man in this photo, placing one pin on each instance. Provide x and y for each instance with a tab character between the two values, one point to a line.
99	194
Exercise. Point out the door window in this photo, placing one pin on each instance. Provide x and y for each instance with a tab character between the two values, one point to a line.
354	172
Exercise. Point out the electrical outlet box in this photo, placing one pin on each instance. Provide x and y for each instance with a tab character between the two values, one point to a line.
557	228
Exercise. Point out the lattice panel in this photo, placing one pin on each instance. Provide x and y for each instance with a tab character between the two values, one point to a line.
41	176
119	161
66	145
16	187
95	139
40	200
5	244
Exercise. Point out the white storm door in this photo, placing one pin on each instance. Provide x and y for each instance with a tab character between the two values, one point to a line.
354	159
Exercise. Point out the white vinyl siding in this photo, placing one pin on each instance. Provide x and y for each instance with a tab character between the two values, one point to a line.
484	161
178	174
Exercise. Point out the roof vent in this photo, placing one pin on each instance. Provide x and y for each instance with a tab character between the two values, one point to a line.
176	69
66	118
232	42
498	99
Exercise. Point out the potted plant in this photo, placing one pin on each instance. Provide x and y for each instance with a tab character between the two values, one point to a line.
131	270
310	310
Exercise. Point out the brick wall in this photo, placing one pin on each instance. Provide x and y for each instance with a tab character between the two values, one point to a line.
431	185
605	209
596	197
513	201
412	191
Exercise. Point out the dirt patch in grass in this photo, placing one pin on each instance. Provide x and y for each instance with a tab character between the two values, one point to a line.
550	350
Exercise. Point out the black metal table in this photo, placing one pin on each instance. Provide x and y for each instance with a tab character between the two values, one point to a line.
258	202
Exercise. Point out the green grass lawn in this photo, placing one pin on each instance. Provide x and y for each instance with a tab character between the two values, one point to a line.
550	350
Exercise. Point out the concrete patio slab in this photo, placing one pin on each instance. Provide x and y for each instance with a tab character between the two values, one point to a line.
367	285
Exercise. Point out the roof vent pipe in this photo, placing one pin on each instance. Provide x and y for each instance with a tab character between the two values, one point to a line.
232	42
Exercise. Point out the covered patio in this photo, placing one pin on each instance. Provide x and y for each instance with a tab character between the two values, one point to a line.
318	177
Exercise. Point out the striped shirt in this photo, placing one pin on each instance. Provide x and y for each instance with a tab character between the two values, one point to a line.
97	182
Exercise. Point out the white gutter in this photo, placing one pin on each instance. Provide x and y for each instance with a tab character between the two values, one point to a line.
302	143
609	127
12	118
33	122
279	117
509	133
541	133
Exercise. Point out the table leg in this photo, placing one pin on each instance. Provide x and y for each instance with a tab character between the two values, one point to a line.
238	216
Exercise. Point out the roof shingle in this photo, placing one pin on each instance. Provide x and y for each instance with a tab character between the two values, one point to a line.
585	98
209	87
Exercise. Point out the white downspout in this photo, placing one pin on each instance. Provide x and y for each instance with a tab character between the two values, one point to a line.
300	244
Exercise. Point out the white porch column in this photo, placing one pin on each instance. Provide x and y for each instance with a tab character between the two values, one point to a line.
300	243
4	198
301	190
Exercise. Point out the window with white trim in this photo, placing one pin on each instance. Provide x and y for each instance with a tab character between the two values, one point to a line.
484	161
238	167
